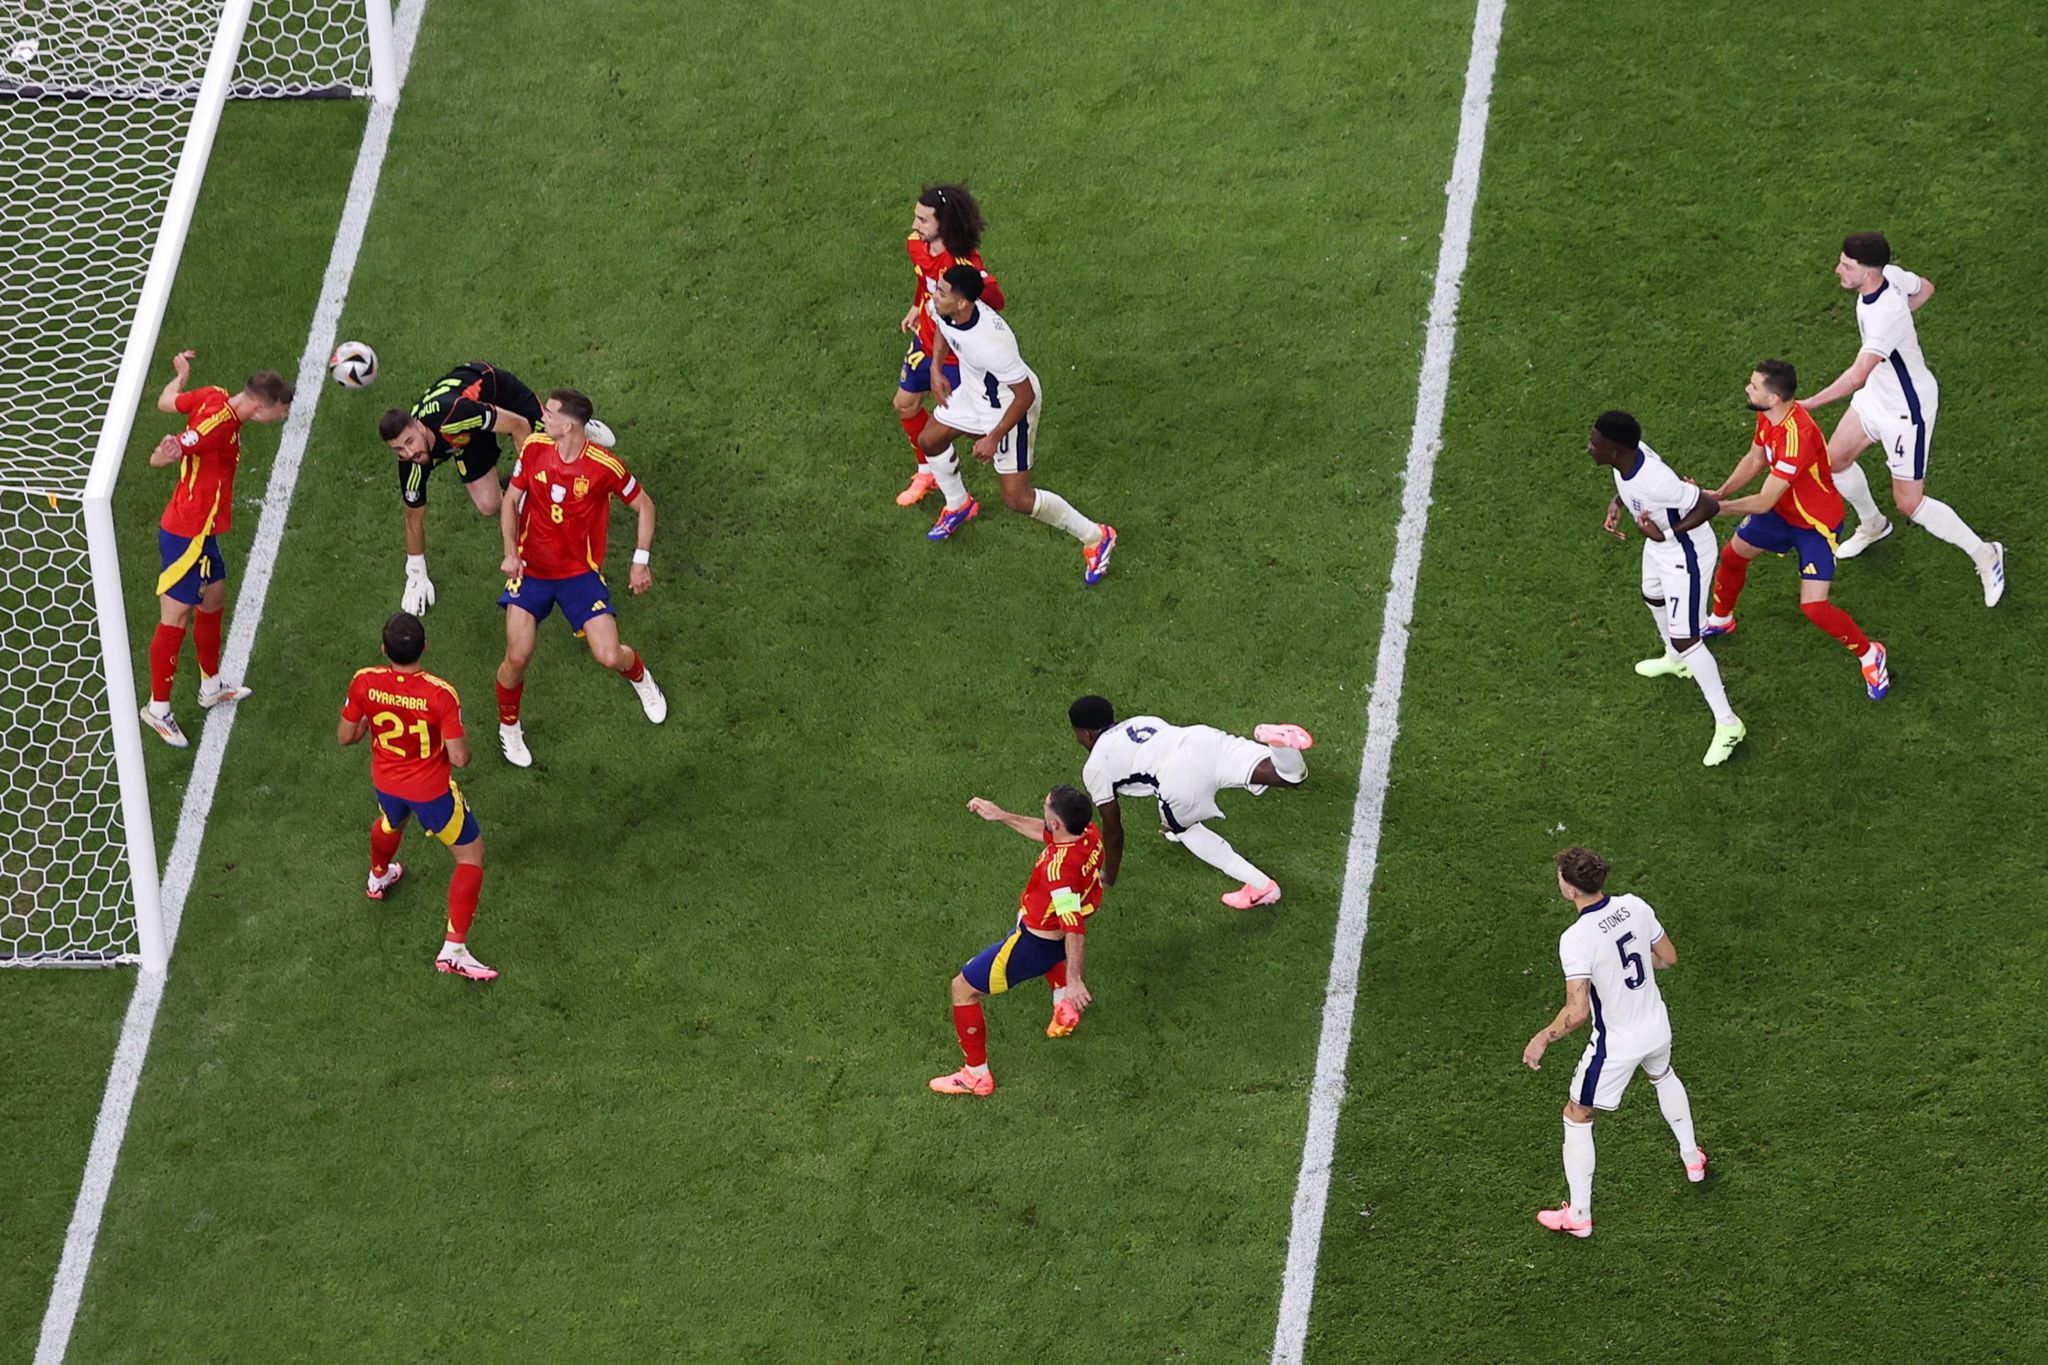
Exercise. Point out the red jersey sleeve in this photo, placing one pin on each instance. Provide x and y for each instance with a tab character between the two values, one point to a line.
991	292
448	713
353	706
192	399
521	477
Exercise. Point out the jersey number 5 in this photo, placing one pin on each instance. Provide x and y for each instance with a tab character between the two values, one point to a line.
391	728
1631	963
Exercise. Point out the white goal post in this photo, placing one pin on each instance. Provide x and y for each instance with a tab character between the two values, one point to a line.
108	110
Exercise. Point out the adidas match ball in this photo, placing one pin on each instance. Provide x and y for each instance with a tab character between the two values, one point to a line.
600	433
354	365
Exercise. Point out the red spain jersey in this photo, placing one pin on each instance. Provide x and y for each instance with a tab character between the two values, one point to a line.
1074	868
929	265
204	500
568	503
1799	454
412	716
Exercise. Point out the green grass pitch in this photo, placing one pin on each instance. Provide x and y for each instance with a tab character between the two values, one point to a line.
690	1121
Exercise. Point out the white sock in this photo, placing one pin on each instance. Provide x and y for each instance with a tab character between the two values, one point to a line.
1056	512
1671	1098
1578	1167
159	708
945	467
1657	615
1213	849
981	1070
1289	763
1939	519
1059	993
1707	673
1854	485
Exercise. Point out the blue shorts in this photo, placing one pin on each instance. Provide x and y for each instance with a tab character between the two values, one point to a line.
917	372
580	598
1018	957
189	564
1813	547
447	817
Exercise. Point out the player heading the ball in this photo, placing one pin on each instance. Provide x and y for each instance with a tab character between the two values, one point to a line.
192	588
554	520
945	231
1611	955
997	403
414	721
457	419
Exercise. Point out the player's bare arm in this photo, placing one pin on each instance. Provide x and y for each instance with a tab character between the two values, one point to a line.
1915	302
1747	468
1578	1008
1763	500
508	529
942	387
1023	395
640	578
181	375
458	751
1664	952
511	424
1077	990
1030	826
1848	381
167	452
1613	523
1112	822
351	731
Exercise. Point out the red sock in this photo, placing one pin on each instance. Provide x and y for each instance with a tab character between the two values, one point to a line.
1057	977
462	893
206	639
973	1031
1837	623
163	660
383	846
913	426
508	703
637	671
1729	576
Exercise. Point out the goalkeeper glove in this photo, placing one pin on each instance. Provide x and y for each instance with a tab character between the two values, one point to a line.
419	589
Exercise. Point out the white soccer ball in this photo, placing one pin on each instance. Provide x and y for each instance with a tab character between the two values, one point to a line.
599	432
354	365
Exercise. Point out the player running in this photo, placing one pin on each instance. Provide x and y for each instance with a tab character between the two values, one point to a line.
1608	978
1796	510
1185	766
554	520
1051	933
997	403
1678	545
945	230
419	740
1894	406
458	419
192	589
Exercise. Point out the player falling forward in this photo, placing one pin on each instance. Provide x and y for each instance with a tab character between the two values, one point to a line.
554	520
945	230
458	419
1051	933
1678	545
1185	766
1894	406
997	403
192	589
1608	978
1796	510
418	739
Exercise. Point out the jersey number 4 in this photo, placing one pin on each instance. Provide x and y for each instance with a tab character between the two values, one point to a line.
391	728
1631	964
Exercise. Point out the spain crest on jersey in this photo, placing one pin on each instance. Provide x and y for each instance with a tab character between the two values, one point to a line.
582	486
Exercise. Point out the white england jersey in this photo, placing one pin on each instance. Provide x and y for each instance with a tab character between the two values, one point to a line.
1609	946
1901	386
1130	757
1656	491
990	364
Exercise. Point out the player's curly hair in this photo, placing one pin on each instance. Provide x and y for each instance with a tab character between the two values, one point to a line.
960	220
1583	868
1072	808
1091	713
1620	427
1866	248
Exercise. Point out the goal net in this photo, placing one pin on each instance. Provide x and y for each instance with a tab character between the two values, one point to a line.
107	114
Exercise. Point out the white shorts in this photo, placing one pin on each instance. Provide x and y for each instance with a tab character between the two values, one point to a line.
1905	438
1600	1080
1680	574
1017	451
1207	761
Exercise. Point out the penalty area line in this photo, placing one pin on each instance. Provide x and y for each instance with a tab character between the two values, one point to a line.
124	1077
1340	1000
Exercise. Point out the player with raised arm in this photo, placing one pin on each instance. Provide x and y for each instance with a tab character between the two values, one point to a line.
1611	955
1894	407
1797	510
554	520
192	588
1051	932
1184	766
414	721
458	419
945	231
1678	545
997	403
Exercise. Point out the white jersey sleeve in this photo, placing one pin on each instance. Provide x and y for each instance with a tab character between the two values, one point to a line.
1886	323
1656	490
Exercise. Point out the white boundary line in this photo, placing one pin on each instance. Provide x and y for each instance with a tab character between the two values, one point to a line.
1340	1002
68	1290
